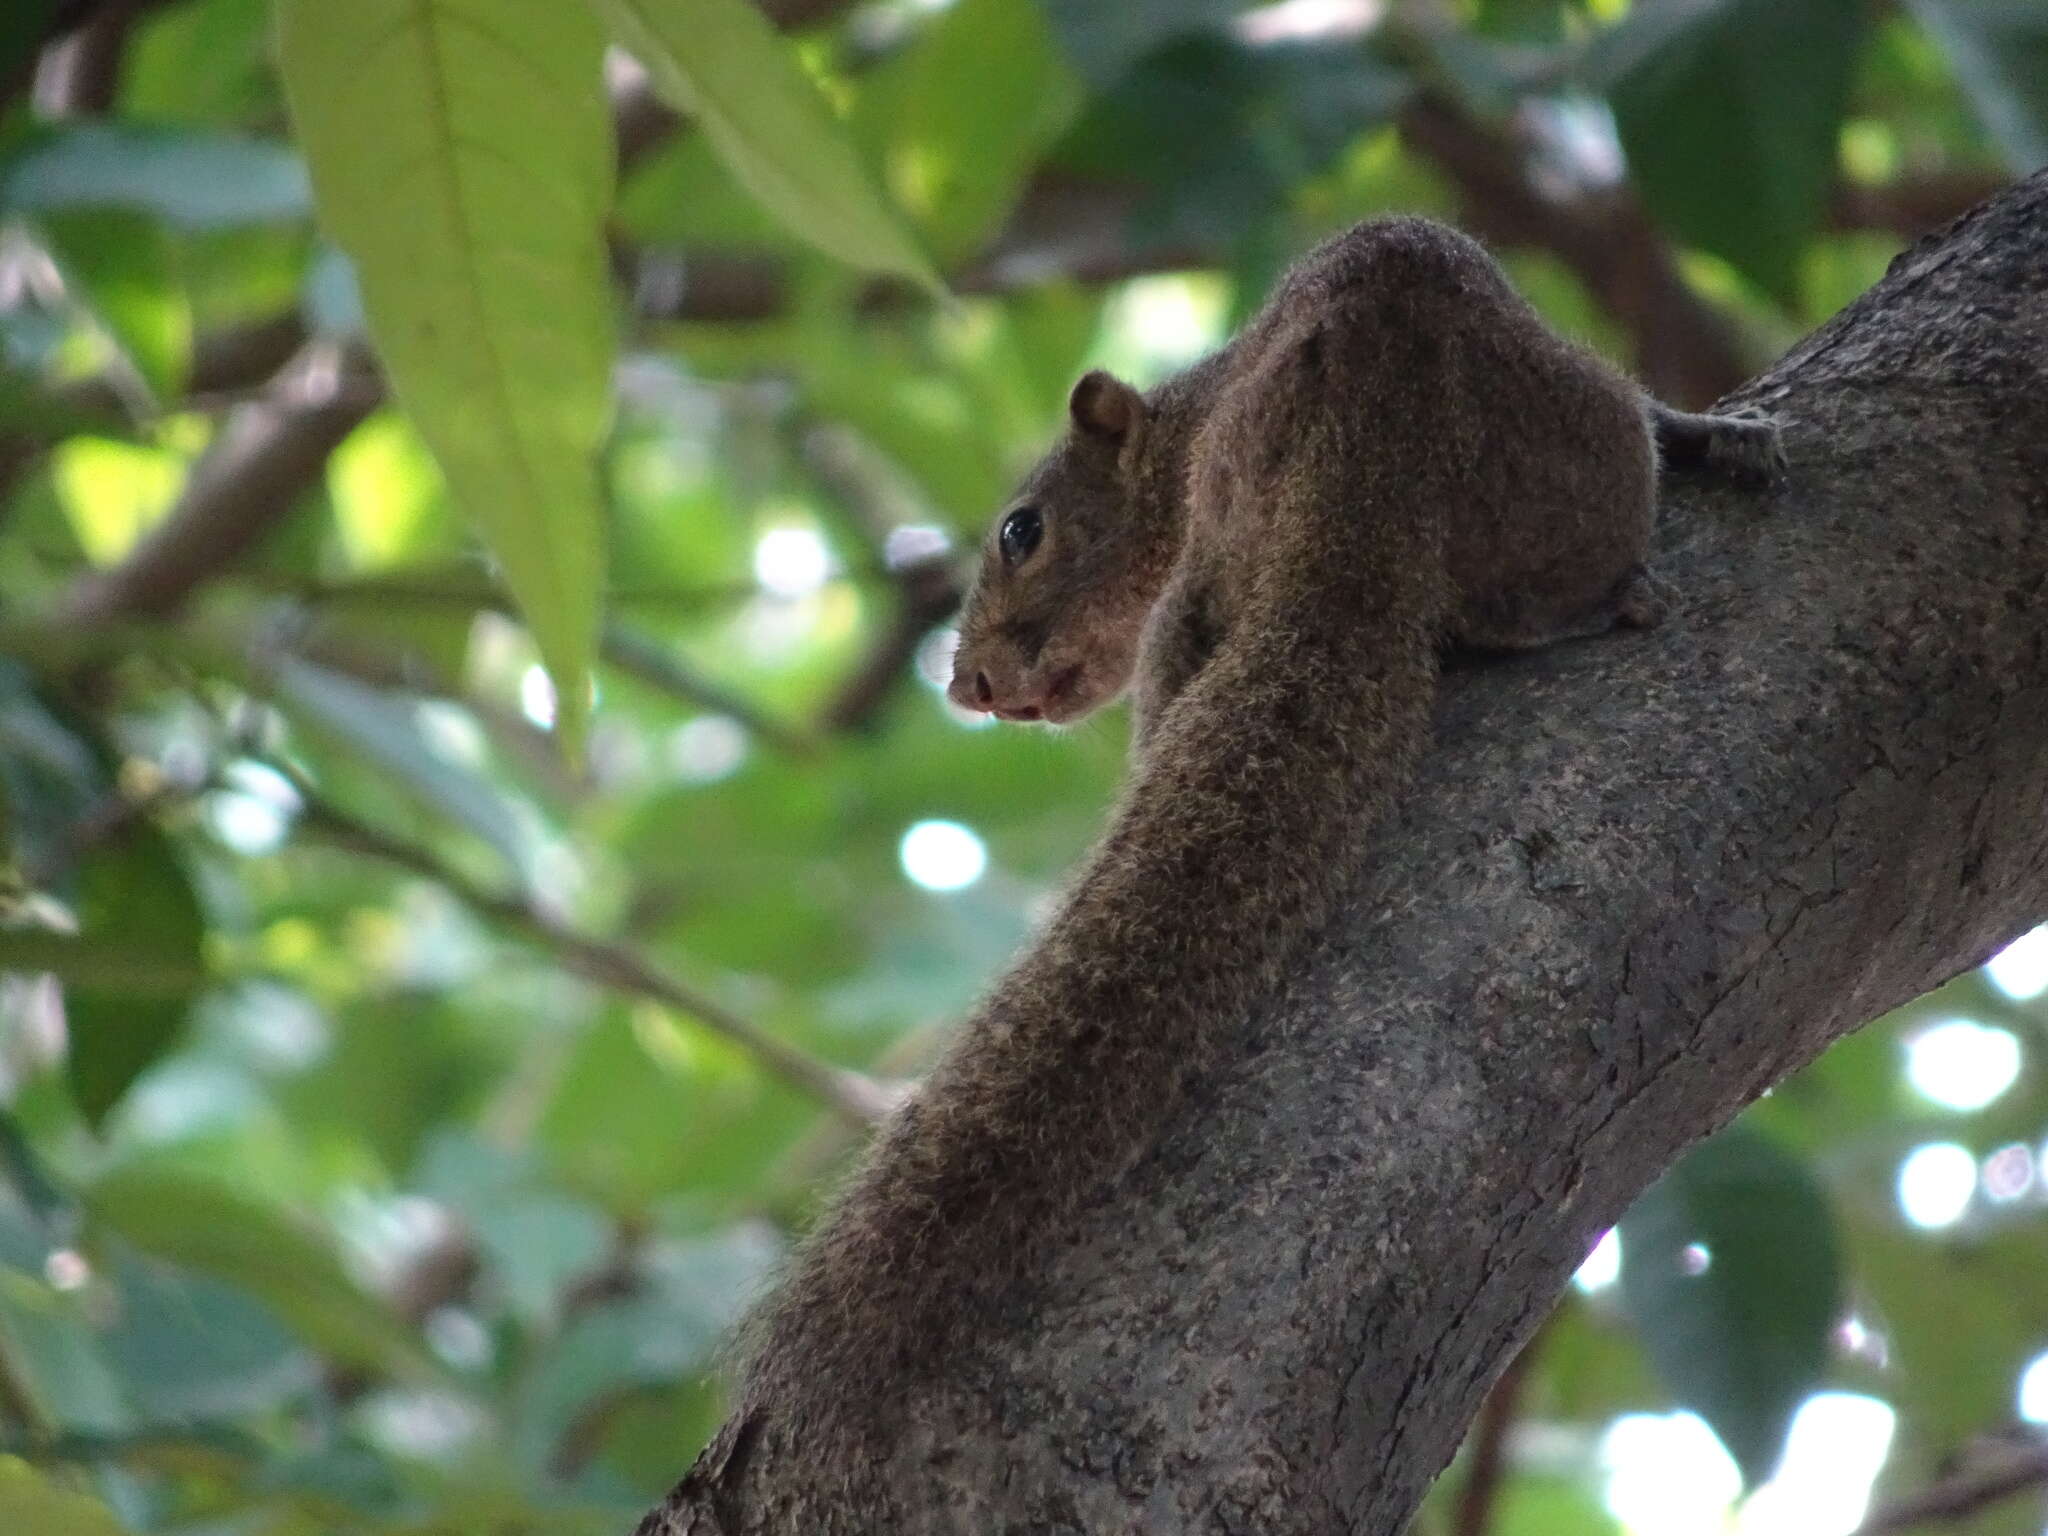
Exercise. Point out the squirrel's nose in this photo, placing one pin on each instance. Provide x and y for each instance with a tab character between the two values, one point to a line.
972	691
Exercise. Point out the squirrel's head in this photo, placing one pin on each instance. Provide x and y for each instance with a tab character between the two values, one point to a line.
1050	629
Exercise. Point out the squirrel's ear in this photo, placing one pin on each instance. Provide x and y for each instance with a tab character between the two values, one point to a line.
1104	406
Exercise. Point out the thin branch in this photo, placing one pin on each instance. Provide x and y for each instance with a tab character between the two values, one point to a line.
78	77
66	18
644	658
106	821
1488	1460
927	589
2013	1470
928	592
852	1095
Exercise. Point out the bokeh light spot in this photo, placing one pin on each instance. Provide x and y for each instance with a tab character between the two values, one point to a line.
943	856
2020	970
1667	1475
791	562
2034	1390
1936	1182
1602	1266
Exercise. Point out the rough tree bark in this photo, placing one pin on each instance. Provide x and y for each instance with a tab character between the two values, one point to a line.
1645	878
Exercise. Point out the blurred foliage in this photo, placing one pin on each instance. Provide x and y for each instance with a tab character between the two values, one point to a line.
391	1113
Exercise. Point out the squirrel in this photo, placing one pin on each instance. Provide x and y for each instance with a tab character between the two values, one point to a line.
1073	569
1394	453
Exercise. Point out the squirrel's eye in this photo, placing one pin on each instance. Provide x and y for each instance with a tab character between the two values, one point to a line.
1020	534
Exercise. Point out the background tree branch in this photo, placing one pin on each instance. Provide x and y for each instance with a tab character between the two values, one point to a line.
1644	879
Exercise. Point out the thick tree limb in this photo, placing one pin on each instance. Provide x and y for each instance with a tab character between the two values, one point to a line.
1645	877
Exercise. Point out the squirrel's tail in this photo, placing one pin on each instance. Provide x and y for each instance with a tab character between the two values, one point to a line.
1744	445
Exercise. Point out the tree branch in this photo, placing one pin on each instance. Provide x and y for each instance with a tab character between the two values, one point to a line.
268	453
653	664
1489	1446
1990	1479
1643	878
851	1095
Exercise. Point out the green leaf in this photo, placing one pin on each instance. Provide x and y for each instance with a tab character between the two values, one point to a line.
461	154
200	61
690	1293
386	730
120	263
1220	134
1731	1273
191	1348
191	181
1106	40
49	771
721	62
958	120
131	974
63	1377
1730	112
209	1226
30	1503
1999	49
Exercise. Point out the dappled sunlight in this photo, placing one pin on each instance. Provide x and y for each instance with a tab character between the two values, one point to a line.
1602	1266
791	562
707	748
943	856
1936	1184
407	1074
2020	970
2033	1390
1961	1064
1668	1474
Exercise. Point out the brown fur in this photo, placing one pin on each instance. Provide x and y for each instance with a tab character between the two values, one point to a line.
1395	452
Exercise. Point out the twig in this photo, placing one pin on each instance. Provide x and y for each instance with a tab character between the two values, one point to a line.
852	1095
927	594
1488	1462
2014	1469
927	589
642	657
104	822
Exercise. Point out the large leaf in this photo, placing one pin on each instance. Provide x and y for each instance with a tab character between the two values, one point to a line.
386	730
1220	133
188	180
1730	112
720	61
29	1503
211	1227
131	972
2000	52
1106	40
120	263
192	1348
1731	1272
959	119
49	772
461	153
